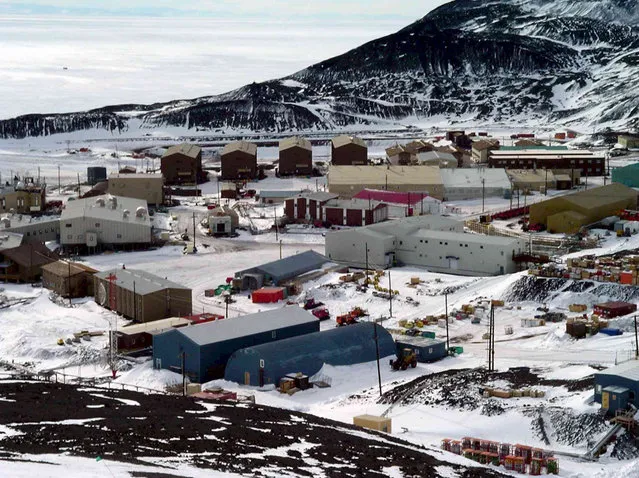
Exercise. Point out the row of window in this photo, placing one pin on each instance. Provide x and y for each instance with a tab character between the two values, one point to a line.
39	232
68	224
81	236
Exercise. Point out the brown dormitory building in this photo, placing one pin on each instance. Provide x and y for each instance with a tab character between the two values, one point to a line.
182	164
348	151
239	161
586	162
24	263
141	296
68	279
296	157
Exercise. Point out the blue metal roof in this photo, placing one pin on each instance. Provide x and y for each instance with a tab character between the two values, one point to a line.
291	266
308	353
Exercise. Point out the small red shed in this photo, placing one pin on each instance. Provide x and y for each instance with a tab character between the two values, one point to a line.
267	295
609	310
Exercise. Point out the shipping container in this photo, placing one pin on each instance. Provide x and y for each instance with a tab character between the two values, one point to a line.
267	295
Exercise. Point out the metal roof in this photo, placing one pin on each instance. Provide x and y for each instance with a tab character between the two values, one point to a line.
62	268
260	322
361	204
295	141
465	237
9	240
382	175
429	221
320	196
186	149
418	341
92	207
472	177
436	155
32	254
343	140
536	148
629	370
291	266
145	282
394	197
136	176
276	194
531	175
599	196
154	326
243	146
17	220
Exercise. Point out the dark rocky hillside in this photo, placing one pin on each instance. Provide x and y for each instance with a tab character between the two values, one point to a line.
241	439
510	62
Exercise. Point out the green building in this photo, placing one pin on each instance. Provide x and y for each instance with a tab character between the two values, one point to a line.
628	175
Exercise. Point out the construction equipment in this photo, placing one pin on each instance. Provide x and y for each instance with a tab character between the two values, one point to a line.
321	314
312	304
346	319
408	357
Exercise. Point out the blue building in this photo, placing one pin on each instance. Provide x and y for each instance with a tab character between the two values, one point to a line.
268	363
427	350
282	270
617	387
206	348
628	175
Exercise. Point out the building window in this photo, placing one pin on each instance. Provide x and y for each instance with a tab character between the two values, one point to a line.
466	245
97	224
481	247
119	236
28	234
401	242
502	253
67	224
430	350
80	236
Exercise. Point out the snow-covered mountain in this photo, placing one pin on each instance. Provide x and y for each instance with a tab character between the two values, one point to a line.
539	62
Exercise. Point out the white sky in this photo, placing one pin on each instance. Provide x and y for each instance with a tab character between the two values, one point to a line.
410	9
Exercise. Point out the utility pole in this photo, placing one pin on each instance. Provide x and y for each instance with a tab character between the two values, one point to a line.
277	232
546	188
135	309
446	309
69	277
79	190
280	248
379	373
183	356
390	294
492	336
636	339
59	187
194	231
483	193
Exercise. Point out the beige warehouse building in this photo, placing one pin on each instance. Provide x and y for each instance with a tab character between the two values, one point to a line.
350	180
567	214
532	179
148	187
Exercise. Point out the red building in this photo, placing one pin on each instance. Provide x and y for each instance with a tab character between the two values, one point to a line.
609	310
354	212
307	206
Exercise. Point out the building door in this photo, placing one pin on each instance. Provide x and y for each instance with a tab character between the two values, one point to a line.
221	227
247	378
605	400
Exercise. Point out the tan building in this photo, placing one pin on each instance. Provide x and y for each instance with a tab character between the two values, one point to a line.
148	187
182	164
480	148
628	141
296	157
418	146
24	263
239	161
62	276
398	155
567	214
348	150
141	296
21	198
346	181
532	179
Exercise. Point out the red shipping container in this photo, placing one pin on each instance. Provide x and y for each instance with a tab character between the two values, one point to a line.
626	278
267	295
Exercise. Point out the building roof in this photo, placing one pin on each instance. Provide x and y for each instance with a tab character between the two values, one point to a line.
382	175
243	146
361	204
535	148
32	254
614	305
291	266
143	282
563	177
574	215
18	220
343	140
394	197
531	175
414	223
415	146
599	196
260	322
136	176
503	152
154	326
419	341
186	149
276	194
62	268
629	370
483	144
295	142
320	196
466	237
102	208
472	177
429	156
9	240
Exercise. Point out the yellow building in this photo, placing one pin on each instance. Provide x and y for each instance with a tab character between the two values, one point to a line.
567	214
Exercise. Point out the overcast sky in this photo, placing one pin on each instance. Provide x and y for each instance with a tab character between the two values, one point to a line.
339	9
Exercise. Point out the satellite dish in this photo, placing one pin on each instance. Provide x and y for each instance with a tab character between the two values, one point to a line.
102	295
